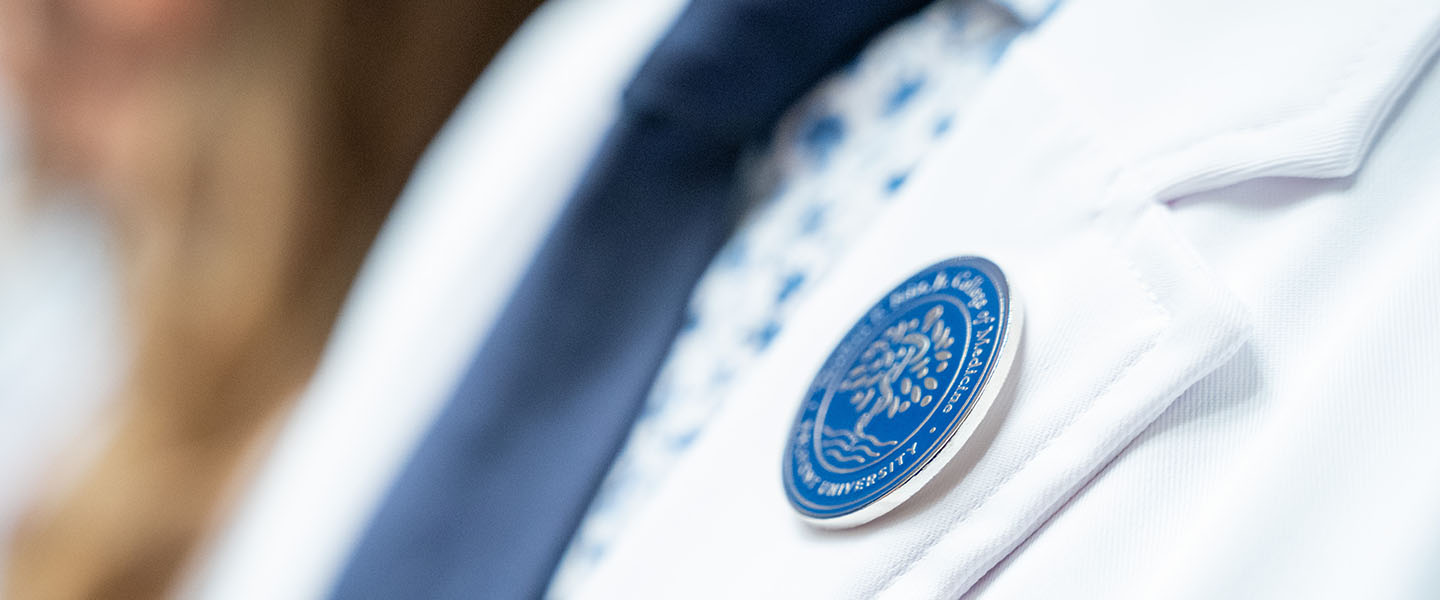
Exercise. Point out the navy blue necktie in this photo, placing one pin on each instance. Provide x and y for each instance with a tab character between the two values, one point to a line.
489	501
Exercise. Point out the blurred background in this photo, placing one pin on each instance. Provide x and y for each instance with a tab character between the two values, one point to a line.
61	347
187	189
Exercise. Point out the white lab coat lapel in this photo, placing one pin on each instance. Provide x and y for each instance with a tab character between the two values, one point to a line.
1059	173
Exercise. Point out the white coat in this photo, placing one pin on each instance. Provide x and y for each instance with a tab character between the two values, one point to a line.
1223	220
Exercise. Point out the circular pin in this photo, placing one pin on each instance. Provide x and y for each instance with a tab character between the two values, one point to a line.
901	393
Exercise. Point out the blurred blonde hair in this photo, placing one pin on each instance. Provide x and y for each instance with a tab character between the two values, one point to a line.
264	167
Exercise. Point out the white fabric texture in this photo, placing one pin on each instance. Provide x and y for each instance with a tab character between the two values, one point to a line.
1063	172
1305	466
463	230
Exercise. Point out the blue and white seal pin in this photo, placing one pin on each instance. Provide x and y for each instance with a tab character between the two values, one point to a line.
902	393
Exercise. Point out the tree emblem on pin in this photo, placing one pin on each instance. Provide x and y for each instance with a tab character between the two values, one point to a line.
901	393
